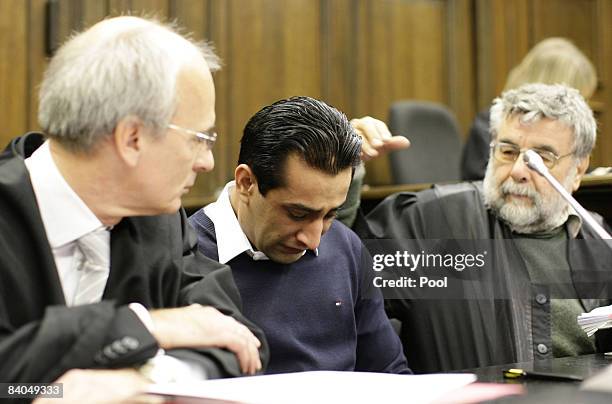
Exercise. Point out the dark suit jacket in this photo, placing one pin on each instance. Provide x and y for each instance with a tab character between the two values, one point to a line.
486	317
154	261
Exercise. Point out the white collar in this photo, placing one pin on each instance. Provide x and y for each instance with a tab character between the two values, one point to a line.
231	240
65	216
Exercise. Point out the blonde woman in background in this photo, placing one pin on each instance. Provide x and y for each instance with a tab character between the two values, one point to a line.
551	61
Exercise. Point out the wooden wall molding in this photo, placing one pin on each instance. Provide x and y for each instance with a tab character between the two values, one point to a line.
358	55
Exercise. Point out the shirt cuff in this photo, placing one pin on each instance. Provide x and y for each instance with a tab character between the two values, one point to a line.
167	369
163	368
143	314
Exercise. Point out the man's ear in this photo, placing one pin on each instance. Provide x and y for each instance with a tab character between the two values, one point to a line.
246	182
582	167
128	139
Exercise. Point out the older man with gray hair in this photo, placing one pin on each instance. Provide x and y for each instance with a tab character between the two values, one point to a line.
540	269
98	265
552	121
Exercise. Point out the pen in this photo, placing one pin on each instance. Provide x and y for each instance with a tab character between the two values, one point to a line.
520	373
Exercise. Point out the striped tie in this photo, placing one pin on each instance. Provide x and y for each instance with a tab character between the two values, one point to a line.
94	267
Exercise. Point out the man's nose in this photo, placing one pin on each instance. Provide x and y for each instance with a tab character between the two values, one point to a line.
310	235
520	172
204	161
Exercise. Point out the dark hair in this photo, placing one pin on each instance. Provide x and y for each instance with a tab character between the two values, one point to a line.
318	133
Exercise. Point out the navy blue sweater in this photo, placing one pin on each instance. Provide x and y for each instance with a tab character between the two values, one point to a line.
314	311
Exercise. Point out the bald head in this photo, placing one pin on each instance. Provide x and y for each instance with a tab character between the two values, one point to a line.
120	67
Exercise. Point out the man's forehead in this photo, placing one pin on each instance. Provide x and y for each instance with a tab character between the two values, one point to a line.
541	131
309	187
196	96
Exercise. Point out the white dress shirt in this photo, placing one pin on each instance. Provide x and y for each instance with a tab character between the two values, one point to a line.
231	240
65	217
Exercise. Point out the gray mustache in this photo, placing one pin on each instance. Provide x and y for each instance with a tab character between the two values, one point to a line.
516	189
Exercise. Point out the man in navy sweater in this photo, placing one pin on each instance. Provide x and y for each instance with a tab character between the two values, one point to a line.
303	276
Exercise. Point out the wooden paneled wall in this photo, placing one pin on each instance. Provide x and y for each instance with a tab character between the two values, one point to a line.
358	55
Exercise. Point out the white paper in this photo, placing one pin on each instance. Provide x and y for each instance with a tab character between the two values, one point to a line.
596	319
322	387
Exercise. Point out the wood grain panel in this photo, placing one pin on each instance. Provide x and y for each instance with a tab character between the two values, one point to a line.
338	32
37	59
429	60
225	157
502	39
603	155
251	57
573	19
461	63
373	86
69	19
93	11
358	55
301	41
157	8
119	7
14	98
273	53
191	15
401	53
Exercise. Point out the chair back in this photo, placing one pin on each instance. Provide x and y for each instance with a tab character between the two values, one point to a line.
435	150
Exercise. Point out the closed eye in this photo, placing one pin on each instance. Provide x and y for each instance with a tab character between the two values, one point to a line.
297	214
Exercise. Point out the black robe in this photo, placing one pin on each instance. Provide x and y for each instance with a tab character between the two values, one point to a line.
472	325
154	261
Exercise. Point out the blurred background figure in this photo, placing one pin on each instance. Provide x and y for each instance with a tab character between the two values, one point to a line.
551	61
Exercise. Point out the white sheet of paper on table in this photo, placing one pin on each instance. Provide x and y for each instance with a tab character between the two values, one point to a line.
596	319
322	387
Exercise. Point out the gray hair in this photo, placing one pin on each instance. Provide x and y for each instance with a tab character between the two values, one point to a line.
533	102
125	66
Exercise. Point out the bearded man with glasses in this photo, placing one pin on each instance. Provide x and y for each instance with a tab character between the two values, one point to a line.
542	267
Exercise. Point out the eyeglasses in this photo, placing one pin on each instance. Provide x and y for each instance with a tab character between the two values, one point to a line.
508	153
201	137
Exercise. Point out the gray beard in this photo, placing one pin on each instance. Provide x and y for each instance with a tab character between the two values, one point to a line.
545	213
